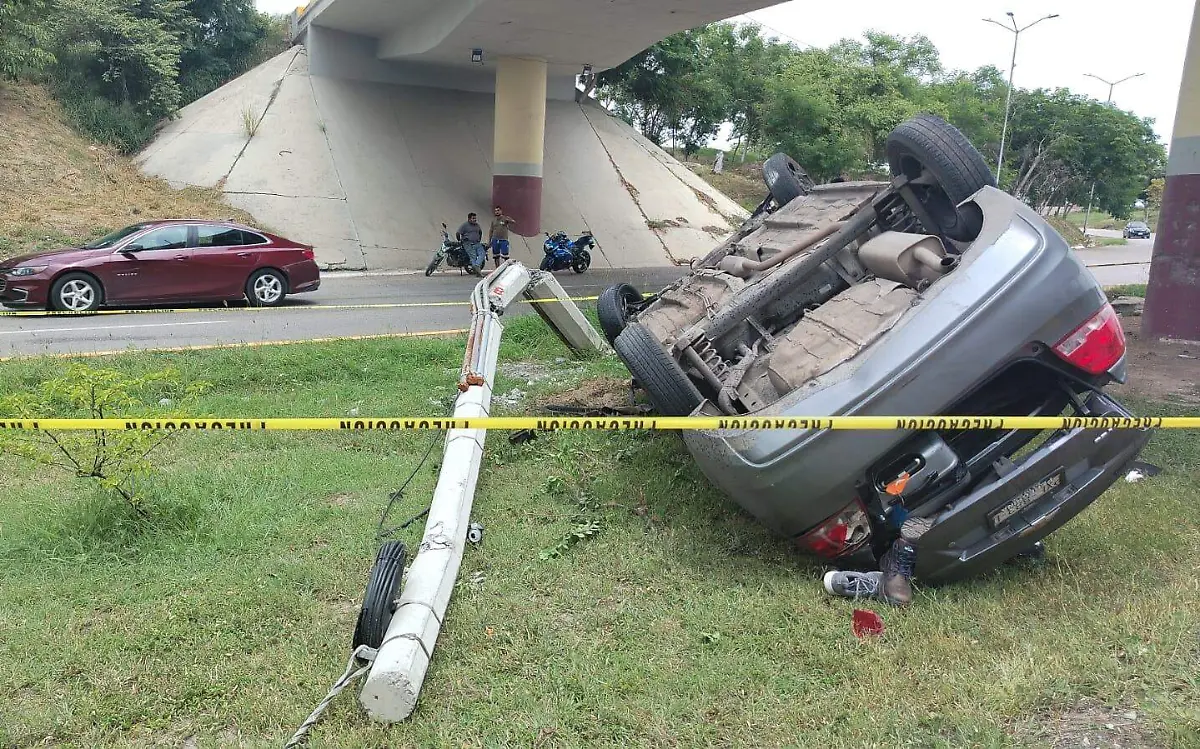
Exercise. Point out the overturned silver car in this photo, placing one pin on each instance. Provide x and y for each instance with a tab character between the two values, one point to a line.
932	294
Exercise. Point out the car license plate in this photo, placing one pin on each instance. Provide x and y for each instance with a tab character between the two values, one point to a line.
1025	499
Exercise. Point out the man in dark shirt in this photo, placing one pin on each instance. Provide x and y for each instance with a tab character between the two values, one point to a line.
471	235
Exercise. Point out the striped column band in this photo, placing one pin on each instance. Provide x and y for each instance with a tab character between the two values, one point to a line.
520	141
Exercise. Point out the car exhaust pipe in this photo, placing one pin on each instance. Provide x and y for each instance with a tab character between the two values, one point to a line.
782	283
745	268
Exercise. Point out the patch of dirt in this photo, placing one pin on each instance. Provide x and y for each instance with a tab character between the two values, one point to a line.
57	187
1070	232
1096	726
339	500
1158	370
599	392
741	184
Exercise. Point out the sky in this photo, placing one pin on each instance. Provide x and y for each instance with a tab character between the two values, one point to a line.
1108	38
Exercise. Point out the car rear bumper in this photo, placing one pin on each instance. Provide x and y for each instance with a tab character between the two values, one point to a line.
963	540
303	277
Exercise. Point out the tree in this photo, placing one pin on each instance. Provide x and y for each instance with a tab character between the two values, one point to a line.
25	37
803	117
223	39
126	50
1063	143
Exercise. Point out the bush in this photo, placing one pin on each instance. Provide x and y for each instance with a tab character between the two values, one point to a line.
115	460
115	124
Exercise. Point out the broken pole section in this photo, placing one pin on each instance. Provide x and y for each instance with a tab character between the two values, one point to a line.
394	682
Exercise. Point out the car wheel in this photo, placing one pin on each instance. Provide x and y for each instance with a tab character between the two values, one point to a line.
612	307
665	382
76	292
926	145
582	262
266	288
433	265
785	179
379	600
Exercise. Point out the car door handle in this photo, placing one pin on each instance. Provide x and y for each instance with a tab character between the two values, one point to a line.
243	254
181	257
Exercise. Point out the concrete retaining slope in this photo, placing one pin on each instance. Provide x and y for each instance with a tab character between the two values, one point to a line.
367	172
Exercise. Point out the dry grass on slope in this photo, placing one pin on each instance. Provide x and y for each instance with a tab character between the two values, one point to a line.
57	187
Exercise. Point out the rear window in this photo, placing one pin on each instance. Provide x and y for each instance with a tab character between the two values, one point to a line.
226	236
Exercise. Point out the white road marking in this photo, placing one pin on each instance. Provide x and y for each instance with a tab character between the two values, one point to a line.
112	327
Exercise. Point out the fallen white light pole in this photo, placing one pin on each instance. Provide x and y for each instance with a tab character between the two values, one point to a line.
394	681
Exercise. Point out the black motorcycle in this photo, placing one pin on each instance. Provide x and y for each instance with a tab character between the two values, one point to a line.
454	253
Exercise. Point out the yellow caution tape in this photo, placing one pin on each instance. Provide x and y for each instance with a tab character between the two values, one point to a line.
283	308
553	423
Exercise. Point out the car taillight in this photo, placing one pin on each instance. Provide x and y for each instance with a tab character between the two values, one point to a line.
840	534
1096	345
309	254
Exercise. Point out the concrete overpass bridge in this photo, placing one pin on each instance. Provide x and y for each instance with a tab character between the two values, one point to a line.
392	116
523	51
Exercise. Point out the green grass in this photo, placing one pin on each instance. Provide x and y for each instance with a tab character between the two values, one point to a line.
1136	289
1102	220
1071	233
228	614
1109	241
742	186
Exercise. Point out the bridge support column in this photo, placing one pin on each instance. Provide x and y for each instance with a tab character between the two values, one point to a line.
1173	301
520	141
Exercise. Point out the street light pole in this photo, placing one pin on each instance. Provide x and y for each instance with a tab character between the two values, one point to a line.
1111	85
1016	32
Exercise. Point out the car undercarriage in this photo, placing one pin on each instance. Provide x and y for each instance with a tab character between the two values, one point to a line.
930	294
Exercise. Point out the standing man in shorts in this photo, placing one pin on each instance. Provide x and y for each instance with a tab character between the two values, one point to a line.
498	235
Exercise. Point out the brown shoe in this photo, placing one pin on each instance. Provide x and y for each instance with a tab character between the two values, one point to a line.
897	566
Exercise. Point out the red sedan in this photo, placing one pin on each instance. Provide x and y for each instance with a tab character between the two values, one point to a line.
159	262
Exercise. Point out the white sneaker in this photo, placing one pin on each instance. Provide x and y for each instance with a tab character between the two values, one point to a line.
852	584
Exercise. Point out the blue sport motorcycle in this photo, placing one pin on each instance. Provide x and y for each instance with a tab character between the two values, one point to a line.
562	253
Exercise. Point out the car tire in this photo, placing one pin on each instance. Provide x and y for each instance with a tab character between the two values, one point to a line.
785	179
433	265
266	288
379	600
76	292
670	390
582	262
927	142
612	307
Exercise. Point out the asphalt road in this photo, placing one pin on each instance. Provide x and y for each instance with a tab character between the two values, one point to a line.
299	319
1120	265
302	317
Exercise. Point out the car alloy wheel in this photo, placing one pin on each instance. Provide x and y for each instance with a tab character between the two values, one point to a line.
77	295
268	288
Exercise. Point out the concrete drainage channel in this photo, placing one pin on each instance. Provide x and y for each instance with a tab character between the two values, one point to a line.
395	670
